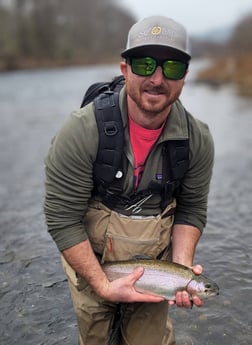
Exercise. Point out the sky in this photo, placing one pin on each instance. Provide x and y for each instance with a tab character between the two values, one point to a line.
198	16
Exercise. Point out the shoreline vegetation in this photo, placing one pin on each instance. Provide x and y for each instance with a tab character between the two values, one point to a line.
31	63
236	70
56	34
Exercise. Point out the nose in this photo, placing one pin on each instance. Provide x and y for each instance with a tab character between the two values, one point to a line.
157	77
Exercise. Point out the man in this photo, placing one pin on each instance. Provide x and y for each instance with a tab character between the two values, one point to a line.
89	228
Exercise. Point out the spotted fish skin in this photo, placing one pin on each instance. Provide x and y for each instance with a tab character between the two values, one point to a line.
163	278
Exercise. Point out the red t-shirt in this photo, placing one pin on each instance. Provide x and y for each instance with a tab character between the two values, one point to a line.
142	140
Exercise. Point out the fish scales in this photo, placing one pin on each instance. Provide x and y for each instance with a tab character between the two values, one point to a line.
163	278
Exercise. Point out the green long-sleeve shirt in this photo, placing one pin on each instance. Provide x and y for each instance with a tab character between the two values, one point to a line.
69	172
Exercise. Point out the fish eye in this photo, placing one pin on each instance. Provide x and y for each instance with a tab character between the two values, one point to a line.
208	286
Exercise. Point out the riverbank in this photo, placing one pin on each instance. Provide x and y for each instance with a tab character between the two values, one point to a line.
13	64
226	70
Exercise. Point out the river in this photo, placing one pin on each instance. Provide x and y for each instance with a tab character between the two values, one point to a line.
35	303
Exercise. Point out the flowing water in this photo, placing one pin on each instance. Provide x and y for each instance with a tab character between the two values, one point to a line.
35	304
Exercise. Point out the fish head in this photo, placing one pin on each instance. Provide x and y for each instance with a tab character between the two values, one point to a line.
202	287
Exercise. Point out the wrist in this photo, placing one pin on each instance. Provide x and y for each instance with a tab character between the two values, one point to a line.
182	260
102	289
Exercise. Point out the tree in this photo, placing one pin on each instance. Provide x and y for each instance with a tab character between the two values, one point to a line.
53	31
241	39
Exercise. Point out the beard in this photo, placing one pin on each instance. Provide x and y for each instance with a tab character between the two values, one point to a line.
153	100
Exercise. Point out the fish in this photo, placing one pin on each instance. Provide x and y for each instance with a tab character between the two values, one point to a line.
163	278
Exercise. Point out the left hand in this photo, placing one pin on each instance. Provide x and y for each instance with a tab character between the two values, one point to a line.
182	297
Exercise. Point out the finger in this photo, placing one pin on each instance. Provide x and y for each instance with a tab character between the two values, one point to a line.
136	274
197	269
187	303
179	299
140	295
183	300
144	297
171	302
197	301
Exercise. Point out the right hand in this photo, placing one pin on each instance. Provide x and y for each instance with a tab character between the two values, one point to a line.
182	297
123	290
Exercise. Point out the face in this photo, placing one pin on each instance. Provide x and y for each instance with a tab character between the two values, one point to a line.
151	95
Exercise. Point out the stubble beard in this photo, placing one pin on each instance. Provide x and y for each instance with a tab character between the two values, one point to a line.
151	108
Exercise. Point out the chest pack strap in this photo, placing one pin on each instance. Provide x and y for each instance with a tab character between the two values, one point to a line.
176	157
110	147
110	152
175	165
96	89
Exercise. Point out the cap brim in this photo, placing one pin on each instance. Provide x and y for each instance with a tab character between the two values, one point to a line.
149	50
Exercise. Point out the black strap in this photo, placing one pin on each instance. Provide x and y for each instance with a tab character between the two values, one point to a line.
176	159
110	147
109	157
175	165
96	89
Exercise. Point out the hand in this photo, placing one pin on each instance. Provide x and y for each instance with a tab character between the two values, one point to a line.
123	290
182	297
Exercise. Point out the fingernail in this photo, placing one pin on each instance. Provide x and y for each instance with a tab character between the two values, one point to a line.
140	269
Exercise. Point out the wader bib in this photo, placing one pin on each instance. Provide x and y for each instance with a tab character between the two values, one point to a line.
117	237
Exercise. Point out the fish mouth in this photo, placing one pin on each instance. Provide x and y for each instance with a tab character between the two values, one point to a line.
212	292
211	289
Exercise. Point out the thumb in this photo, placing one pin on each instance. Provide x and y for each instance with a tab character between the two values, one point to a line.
136	274
197	269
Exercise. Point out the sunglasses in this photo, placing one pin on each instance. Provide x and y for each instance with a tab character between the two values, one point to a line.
146	66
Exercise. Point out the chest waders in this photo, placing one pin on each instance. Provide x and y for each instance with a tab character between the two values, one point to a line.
109	170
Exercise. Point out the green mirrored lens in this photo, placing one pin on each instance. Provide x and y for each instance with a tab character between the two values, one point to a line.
174	69
146	66
143	66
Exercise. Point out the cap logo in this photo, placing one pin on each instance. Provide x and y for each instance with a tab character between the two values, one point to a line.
156	30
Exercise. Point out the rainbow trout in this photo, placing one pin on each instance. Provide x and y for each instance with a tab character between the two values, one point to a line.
163	278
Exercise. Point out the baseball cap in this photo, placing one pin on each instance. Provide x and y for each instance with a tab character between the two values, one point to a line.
159	33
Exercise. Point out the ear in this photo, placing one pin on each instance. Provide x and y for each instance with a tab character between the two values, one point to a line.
186	73
123	67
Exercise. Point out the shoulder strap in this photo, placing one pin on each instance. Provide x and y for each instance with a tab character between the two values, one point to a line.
176	158
110	149
175	165
111	138
96	89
